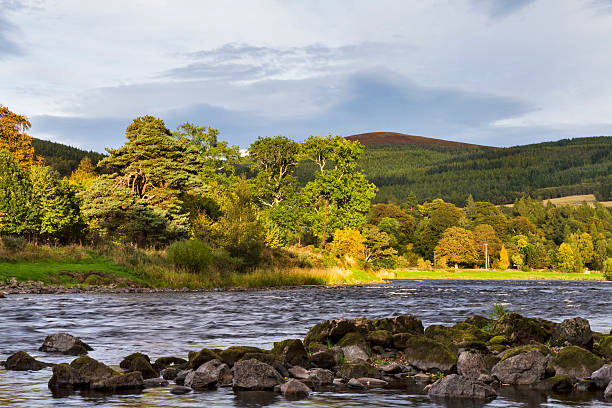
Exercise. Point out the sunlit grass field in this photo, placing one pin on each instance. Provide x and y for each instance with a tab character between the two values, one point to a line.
496	275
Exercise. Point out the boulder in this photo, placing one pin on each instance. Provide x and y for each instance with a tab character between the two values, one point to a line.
605	347
356	352
203	356
478	321
602	377
294	389
64	343
139	362
399	324
576	362
22	361
167	362
180	376
298	372
471	365
575	331
81	372
429	355
524	368
324	359
460	336
127	381
372	382
382	338
155	383
608	391
455	386
355	383
321	377
358	370
255	376
180	390
514	351
559	383
169	373
264	357
399	340
329	331
521	330
292	352
235	353
64	376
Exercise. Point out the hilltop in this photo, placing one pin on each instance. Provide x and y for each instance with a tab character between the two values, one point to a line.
65	159
372	139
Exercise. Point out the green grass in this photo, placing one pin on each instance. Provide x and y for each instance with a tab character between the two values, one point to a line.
496	275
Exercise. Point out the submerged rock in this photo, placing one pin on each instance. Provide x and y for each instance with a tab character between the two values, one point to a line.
524	368
81	372
255	375
155	383
559	383
64	343
127	381
294	389
180	390
22	361
455	386
139	362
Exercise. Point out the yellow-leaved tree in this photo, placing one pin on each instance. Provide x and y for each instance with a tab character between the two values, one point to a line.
14	139
504	261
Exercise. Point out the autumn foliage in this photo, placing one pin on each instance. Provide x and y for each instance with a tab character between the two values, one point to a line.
14	139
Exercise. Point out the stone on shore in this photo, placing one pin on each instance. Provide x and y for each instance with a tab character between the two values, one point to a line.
471	365
170	362
608	391
321	377
576	362
559	383
520	330
575	331
169	373
209	375
22	361
358	370
127	381
372	382
524	368
329	331
399	324
429	355
255	376
602	377
295	389
64	343
324	359
455	386
292	352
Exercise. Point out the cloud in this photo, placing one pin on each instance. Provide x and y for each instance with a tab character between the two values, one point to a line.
8	47
501	8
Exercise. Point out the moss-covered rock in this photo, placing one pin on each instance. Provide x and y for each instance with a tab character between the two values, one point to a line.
358	370
196	359
515	351
234	353
499	340
90	370
139	362
479	321
605	347
291	351
166	362
400	340
382	338
429	355
65	376
22	361
497	348
329	331
351	339
521	330
462	335
263	356
399	324
575	331
576	362
558	383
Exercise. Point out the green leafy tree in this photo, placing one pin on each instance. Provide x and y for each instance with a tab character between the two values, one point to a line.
376	244
583	244
16	201
485	234
478	213
569	259
457	246
274	159
438	216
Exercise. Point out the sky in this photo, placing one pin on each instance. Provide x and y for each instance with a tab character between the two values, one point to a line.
492	72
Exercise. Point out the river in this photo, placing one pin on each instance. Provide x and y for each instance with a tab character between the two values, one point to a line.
172	324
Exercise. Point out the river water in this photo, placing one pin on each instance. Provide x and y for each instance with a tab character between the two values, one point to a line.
172	324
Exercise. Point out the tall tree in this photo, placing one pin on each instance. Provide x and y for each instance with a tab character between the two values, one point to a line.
457	246
16	201
13	137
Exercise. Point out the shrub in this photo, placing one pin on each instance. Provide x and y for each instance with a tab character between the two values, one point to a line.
424	265
607	269
13	244
190	255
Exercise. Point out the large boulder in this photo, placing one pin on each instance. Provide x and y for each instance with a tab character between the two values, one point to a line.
196	359
472	365
382	338
461	335
576	362
324	359
255	376
429	355
329	331
602	377
575	331
358	370
235	353
129	381
524	368
81	372
22	361
455	386
139	362
65	376
295	389
521	330
292	352
64	343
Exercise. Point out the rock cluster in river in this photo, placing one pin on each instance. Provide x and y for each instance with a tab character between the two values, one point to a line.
470	359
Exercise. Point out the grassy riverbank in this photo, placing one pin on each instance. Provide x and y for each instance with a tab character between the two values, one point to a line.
511	274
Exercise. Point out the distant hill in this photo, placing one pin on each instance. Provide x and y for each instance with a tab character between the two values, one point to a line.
500	175
64	159
393	139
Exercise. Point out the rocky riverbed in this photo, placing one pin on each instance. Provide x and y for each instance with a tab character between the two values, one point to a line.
471	361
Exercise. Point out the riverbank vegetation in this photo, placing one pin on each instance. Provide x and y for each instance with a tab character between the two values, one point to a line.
185	209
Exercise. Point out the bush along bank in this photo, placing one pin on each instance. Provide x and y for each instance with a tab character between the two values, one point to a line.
471	360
